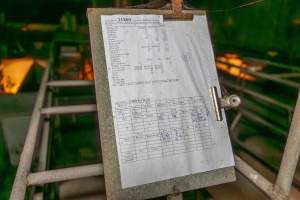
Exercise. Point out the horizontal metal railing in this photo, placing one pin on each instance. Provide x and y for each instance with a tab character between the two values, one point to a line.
71	83
39	117
64	174
74	109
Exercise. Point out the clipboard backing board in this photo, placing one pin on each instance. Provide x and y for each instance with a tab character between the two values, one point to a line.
107	132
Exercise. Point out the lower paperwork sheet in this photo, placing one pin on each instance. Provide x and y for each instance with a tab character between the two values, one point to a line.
159	76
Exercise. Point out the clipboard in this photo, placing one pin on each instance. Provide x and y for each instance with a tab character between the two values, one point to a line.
106	124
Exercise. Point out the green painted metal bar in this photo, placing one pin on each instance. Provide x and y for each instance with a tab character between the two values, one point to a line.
258	95
266	76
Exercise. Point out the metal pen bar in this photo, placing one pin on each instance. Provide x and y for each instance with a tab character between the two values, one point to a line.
64	174
291	153
71	83
55	110
259	96
215	100
257	179
19	186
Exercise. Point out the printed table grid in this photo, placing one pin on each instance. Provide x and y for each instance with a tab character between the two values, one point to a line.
152	129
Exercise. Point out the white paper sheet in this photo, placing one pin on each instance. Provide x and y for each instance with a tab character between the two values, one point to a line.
159	76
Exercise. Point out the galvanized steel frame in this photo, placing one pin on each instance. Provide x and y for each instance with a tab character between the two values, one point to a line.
279	190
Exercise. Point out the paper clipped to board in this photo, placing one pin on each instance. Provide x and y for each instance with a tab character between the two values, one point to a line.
159	76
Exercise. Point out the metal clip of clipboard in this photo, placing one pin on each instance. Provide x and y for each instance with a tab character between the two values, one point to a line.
226	102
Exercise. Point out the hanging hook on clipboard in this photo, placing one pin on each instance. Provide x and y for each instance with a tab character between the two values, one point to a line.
177	12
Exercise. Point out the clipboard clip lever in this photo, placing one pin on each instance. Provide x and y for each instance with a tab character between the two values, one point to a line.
226	102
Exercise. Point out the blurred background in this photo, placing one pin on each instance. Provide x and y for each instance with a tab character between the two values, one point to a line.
257	50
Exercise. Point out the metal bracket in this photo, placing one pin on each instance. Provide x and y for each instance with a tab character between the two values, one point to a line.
226	102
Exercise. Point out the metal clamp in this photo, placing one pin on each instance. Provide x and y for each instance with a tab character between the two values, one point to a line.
230	102
226	102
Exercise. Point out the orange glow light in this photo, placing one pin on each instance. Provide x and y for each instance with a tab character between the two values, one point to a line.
12	74
225	63
87	72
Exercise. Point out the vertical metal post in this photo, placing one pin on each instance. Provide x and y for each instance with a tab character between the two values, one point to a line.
43	153
19	186
291	153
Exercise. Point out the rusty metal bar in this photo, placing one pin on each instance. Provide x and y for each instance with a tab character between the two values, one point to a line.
257	179
64	174
19	186
56	110
70	83
291	153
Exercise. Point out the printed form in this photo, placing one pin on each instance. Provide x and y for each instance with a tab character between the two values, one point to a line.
159	76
